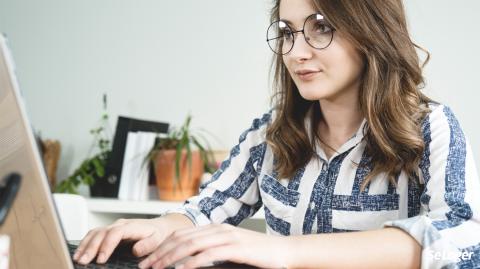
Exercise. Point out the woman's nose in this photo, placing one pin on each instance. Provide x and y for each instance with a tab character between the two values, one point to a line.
301	49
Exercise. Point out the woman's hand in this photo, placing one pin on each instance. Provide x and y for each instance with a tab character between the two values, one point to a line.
149	233
219	242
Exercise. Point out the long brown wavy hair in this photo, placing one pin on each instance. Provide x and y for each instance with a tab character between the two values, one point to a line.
390	97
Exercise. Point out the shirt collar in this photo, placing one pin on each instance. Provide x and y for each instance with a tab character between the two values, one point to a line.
350	143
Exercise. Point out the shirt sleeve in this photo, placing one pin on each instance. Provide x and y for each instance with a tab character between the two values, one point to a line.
232	194
448	226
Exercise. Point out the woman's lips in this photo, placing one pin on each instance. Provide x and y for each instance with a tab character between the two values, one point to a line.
307	75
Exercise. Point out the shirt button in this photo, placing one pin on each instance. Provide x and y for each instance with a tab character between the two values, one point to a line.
312	205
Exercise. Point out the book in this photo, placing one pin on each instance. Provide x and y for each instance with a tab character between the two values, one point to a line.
108	186
135	171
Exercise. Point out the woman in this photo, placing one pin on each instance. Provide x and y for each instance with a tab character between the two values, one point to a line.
354	163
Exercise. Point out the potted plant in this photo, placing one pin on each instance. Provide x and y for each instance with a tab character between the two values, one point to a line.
179	161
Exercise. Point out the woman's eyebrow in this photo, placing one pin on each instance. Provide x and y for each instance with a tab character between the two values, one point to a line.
289	23
285	20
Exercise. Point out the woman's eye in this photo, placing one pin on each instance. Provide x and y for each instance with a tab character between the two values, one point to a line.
287	35
321	28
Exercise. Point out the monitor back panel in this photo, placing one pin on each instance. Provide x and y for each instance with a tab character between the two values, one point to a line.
36	236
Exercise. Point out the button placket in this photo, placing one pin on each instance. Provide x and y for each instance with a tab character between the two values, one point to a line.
324	166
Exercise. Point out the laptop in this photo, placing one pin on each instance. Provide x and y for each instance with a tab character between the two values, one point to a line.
37	238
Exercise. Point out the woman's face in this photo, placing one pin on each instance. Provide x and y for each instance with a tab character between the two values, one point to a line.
328	73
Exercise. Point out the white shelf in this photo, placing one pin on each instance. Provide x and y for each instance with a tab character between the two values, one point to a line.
111	205
152	207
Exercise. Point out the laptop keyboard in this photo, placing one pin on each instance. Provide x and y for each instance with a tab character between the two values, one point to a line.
122	258
118	260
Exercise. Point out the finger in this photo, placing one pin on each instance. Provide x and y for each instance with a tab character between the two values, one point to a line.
189	247
215	254
110	242
196	245
131	231
82	246
148	245
91	249
179	237
85	241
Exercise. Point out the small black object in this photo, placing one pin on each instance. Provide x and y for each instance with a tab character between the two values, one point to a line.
8	190
109	185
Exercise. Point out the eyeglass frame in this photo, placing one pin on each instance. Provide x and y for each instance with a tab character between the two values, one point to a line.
299	31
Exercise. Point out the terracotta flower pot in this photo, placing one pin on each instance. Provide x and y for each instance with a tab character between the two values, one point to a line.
168	188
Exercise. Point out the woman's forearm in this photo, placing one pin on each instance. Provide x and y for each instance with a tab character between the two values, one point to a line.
385	248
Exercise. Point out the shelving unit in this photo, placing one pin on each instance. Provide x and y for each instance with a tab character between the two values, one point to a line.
104	211
112	205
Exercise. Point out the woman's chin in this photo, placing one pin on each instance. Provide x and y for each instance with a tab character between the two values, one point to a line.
313	95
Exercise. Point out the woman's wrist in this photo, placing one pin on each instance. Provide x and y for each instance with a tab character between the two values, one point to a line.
285	250
173	221
300	252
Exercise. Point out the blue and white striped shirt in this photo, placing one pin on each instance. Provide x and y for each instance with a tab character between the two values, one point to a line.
442	213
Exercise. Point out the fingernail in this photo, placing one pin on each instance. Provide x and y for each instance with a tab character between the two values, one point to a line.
138	251
180	266
75	255
142	265
84	258
101	258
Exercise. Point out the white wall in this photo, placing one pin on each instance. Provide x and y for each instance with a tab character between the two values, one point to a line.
160	59
449	30
156	60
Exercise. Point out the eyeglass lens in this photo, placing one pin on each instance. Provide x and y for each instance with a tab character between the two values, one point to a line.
317	33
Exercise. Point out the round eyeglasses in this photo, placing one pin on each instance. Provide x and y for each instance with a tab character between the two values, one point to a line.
318	33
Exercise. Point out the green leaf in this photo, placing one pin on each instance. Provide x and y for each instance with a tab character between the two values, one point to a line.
60	188
66	186
178	156
74	180
92	166
205	141
71	189
207	156
99	169
85	166
189	160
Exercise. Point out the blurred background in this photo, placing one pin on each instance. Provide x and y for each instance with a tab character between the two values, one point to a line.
160	60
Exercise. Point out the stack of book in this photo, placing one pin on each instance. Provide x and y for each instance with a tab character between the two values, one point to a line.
127	169
135	170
